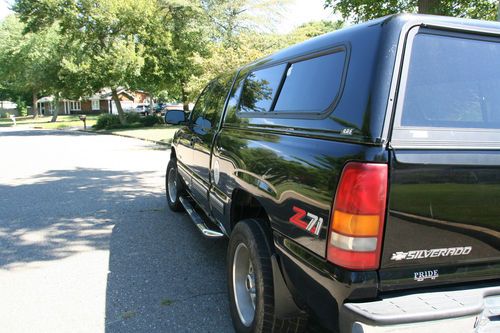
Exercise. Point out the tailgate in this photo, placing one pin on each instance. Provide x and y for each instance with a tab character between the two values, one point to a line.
443	222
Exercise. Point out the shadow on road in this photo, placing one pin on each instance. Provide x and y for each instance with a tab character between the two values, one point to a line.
163	276
28	132
62	212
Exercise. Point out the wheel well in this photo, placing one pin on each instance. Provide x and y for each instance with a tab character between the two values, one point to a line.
244	206
172	153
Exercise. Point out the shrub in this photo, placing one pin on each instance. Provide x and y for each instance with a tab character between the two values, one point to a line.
107	121
22	110
150	120
133	117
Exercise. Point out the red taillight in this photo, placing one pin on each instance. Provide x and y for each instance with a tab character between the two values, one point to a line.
357	223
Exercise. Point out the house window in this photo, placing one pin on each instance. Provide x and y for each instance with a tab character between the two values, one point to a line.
95	104
76	106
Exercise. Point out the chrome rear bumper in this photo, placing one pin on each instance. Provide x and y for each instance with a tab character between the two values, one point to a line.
461	310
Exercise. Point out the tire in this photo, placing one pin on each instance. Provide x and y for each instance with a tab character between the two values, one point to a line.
250	282
174	187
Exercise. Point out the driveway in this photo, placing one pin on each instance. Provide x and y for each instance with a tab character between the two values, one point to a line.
87	243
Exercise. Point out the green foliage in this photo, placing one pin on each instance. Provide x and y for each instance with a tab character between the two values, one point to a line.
112	121
231	18
22	110
151	120
133	117
313	29
107	121
250	46
29	62
186	25
103	45
363	10
170	48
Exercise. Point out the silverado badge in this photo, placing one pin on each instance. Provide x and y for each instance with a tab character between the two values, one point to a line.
432	253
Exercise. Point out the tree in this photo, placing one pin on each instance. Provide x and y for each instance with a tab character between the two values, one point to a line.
229	18
208	38
185	25
363	10
29	63
312	29
250	46
103	40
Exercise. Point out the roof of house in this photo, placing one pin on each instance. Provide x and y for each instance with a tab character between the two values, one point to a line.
105	93
46	99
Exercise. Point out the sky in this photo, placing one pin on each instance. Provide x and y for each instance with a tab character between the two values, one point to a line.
297	12
4	8
302	11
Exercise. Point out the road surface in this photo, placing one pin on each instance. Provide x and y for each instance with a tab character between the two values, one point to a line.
88	244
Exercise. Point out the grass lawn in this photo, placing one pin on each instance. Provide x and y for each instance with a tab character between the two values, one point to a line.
160	133
63	121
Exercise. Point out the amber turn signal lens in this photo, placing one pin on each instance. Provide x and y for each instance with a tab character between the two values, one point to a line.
355	225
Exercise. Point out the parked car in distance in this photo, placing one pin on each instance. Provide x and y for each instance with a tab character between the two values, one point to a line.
357	176
143	109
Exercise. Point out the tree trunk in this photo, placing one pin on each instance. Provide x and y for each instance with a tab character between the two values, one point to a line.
184	95
119	108
34	108
429	7
498	11
55	113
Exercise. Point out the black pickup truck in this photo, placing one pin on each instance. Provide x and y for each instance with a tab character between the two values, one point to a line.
357	176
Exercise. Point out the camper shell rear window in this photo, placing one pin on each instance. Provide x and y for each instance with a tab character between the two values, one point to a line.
450	90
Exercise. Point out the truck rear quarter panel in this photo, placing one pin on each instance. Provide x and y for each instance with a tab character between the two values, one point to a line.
285	171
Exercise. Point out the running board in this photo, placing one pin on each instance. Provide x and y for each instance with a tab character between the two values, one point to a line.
198	221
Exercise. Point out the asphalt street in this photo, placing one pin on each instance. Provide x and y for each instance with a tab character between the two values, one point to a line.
88	244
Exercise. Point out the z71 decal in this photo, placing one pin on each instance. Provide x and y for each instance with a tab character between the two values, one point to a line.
313	225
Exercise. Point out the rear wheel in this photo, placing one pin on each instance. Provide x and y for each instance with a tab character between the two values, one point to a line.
250	280
174	187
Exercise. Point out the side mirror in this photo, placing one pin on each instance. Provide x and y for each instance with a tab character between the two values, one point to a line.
175	117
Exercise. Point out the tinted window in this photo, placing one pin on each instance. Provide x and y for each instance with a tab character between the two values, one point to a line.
214	105
210	105
260	88
199	107
312	85
452	82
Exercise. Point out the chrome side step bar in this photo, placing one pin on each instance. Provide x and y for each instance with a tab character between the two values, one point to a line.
198	221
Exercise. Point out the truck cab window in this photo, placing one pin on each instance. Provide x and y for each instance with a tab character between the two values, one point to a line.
260	88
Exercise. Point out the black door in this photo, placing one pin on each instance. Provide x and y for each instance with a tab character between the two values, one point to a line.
204	125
